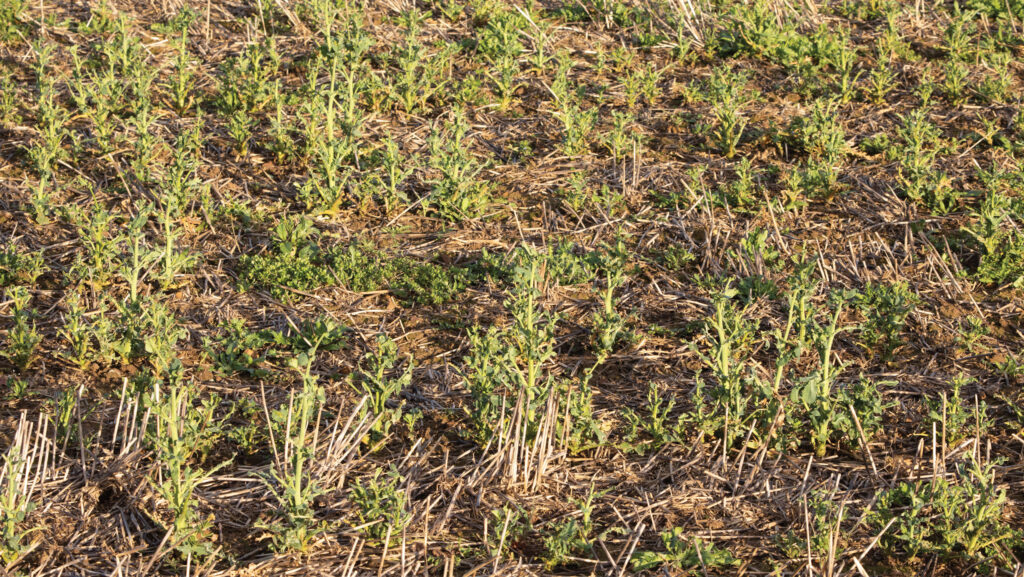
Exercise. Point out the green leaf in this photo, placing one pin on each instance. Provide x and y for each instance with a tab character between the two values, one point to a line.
644	560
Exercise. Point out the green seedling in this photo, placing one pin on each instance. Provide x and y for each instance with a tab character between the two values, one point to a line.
381	389
458	192
574	536
958	518
886	308
15	505
290	480
177	437
22	339
181	81
19	268
686	555
955	419
382	505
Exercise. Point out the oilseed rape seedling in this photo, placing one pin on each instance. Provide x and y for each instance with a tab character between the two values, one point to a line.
509	287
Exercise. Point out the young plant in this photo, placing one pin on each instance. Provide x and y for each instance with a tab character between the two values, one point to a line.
684	555
135	268
95	263
817	392
577	124
655	424
290	480
573	537
157	331
819	530
18	267
955	419
886	307
22	339
457	191
833	412
395	169
728	95
420	75
506	70
15	504
382	505
577	121
921	182
621	139
958	518
182	78
172	261
881	81
381	388
821	133
281	130
844	61
741	194
738	398
9	98
99	96
12	20
609	325
176	439
76	333
508	524
93	337
996	234
145	143
516	403
642	82
954	82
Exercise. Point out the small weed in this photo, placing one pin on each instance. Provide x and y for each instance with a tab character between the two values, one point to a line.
15	506
181	81
22	339
960	518
295	263
572	537
955	419
421	75
457	192
954	83
12	14
728	95
508	525
509	363
621	139
381	389
921	182
395	170
881	81
740	194
19	268
686	555
825	524
179	435
577	124
290	481
609	326
676	258
382	505
886	308
827	407
737	400
974	330
1001	243
655	424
